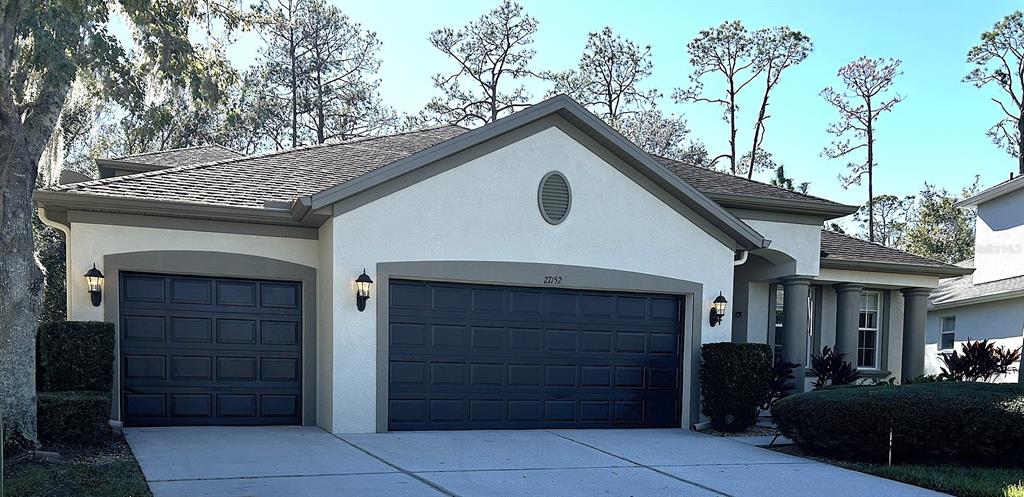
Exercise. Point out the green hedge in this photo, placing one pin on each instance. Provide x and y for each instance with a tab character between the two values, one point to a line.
954	422
75	356
74	417
734	380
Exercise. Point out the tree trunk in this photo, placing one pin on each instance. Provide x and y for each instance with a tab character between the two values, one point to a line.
871	176
732	125
23	136
1020	149
21	280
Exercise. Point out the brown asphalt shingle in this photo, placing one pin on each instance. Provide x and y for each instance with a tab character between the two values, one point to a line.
182	156
277	177
836	246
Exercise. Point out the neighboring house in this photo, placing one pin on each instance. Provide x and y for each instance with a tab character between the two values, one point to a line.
539	271
989	303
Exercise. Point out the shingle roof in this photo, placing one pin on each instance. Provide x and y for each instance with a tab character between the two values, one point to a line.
962	288
182	156
252	181
712	183
845	248
216	175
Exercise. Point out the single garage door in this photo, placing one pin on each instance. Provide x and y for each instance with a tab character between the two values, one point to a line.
486	357
202	351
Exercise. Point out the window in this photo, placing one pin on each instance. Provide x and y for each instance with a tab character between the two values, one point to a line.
778	339
948	339
869	336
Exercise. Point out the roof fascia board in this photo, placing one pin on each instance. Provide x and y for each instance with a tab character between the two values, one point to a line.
779	205
184	224
994	192
888	267
778	217
995	297
102	203
745	236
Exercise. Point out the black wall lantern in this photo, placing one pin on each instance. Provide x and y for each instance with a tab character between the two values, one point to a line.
717	309
363	283
94	279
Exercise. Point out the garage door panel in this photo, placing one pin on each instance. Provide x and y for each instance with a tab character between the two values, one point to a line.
530	358
199	350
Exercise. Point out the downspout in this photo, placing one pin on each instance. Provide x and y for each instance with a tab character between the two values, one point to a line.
41	211
743	258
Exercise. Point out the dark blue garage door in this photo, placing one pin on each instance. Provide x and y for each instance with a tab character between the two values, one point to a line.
201	351
487	357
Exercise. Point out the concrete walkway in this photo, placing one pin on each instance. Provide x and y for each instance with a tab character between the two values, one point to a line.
302	461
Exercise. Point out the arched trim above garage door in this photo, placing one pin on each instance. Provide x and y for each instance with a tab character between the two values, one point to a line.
541	275
225	265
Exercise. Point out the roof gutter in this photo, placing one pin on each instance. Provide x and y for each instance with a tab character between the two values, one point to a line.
103	203
828	211
977	300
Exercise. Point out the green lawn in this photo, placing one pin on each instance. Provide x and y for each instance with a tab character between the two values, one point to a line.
94	472
961	481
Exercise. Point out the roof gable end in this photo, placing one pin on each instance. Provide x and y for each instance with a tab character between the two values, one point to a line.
566	108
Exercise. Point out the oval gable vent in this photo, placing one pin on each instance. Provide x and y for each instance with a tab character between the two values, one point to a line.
554	197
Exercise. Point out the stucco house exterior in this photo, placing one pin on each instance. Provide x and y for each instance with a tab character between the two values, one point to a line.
539	271
988	304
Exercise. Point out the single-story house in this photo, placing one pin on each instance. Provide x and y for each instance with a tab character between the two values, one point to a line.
988	304
539	271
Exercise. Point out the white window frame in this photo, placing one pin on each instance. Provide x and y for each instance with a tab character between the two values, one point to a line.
943	332
877	329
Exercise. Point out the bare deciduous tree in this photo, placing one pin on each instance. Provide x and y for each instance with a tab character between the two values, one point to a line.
607	79
726	50
776	49
491	53
740	57
864	99
662	135
999	59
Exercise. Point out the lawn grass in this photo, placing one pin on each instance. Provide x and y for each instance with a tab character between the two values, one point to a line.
108	471
961	481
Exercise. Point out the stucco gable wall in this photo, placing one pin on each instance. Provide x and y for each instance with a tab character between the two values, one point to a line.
486	210
999	239
802	242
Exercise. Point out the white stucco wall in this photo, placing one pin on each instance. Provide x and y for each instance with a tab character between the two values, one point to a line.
486	209
1000	321
883	280
327	280
802	242
88	244
999	239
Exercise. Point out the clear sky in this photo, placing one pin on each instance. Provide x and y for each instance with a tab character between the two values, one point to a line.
937	134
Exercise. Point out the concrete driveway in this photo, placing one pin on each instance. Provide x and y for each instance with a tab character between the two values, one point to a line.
302	461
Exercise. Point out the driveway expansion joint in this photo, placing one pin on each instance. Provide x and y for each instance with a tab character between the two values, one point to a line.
649	468
400	469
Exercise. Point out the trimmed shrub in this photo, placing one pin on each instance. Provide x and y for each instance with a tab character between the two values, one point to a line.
734	380
75	356
74	417
943	422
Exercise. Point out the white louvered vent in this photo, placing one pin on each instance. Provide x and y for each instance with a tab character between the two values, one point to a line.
554	197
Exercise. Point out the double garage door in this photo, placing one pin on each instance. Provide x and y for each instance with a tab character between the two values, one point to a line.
200	351
486	357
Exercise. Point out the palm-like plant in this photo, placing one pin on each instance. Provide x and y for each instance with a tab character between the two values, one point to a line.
979	360
832	369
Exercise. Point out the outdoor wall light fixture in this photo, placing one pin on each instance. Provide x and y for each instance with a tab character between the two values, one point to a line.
94	279
717	309
363	283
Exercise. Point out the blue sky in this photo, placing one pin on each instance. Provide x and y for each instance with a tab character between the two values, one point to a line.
937	134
